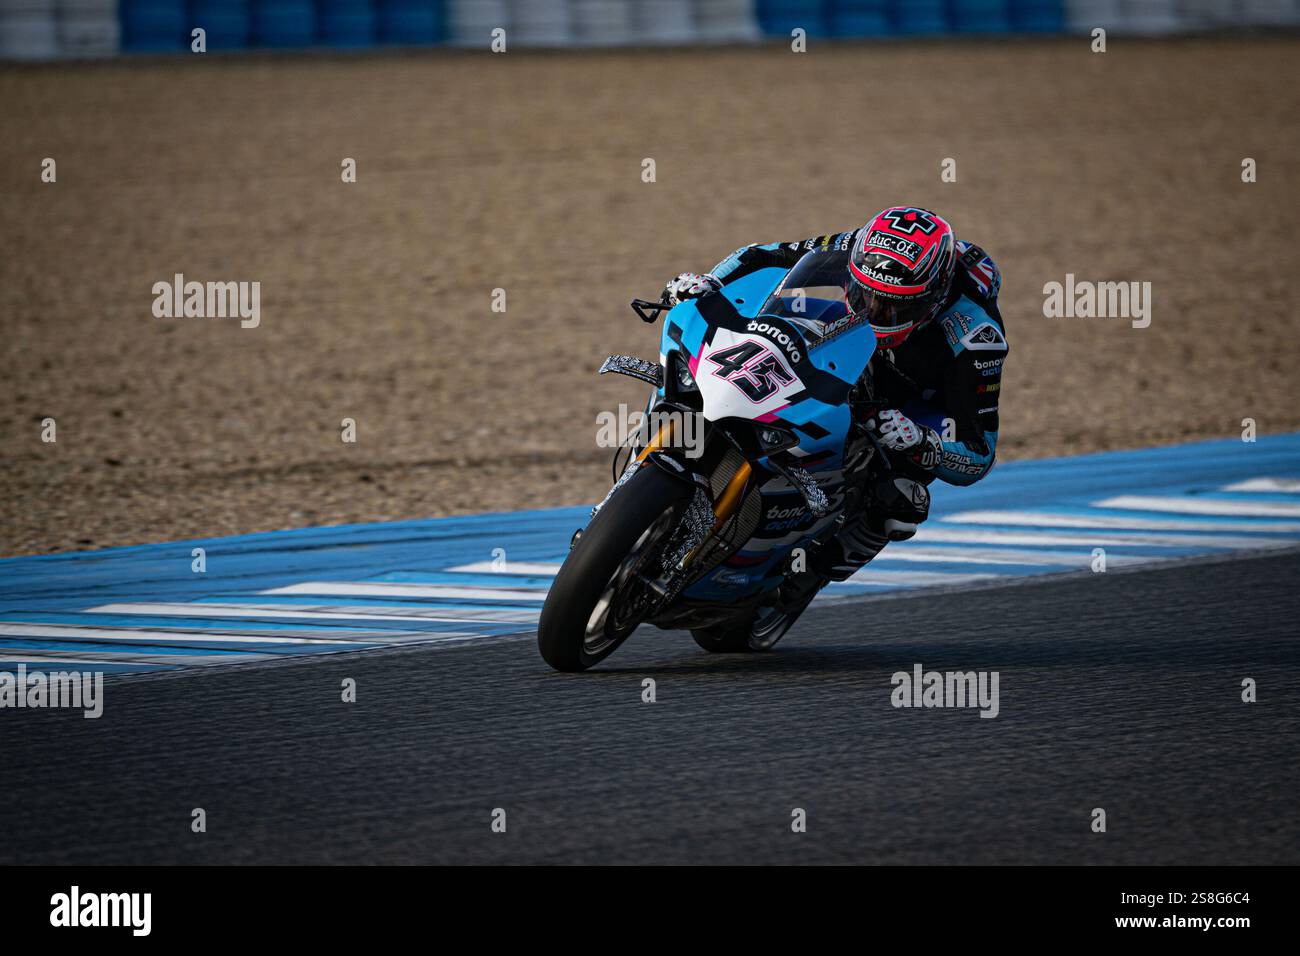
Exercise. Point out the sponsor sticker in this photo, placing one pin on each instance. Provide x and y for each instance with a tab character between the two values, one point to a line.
985	337
906	248
780	337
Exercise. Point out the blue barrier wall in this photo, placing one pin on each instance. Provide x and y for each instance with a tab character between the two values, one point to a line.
346	23
411	22
153	25
228	22
45	29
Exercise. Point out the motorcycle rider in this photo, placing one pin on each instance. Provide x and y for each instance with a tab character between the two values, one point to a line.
935	379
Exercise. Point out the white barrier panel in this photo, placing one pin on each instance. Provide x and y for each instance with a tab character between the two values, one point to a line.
1150	16
1206	14
29	30
88	28
602	22
1178	16
1270	12
541	23
726	21
471	22
664	21
1082	16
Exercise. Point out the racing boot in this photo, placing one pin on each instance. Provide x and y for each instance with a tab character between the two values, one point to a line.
894	508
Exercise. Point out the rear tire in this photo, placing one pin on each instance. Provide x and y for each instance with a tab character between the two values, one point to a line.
754	632
571	634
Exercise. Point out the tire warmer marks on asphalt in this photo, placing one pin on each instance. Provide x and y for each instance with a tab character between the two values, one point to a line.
456	580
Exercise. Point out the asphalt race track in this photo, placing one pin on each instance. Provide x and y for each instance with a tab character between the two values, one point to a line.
1118	690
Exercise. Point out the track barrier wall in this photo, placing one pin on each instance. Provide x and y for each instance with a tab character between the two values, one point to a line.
77	29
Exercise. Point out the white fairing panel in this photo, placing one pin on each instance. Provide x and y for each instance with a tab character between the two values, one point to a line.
744	376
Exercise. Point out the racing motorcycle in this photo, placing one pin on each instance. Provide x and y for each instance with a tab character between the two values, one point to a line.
714	535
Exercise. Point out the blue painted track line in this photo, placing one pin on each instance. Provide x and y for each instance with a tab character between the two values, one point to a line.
127	651
475	608
11	664
324	630
477	579
321	590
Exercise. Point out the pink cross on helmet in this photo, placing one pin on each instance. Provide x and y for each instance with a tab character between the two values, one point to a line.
900	271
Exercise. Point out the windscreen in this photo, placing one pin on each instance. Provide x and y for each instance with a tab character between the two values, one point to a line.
811	296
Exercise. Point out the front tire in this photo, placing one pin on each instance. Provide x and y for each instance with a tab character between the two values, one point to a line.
582	620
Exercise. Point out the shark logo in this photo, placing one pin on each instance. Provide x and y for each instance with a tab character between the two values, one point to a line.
984	337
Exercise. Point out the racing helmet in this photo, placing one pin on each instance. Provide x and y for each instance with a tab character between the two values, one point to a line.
900	270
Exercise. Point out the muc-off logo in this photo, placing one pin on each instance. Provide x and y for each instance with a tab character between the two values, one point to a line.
787	342
906	248
910	220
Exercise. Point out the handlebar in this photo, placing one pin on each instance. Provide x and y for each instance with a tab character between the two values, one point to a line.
648	311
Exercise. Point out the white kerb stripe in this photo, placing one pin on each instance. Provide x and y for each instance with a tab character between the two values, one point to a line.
135	636
155	655
1193	505
541	569
329	612
909	553
914	578
929	533
1051	519
1288	486
369	589
46	657
958	555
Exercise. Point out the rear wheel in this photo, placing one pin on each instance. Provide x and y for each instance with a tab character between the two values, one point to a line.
758	630
598	597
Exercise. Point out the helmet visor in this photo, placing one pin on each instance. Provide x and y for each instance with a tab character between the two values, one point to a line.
886	315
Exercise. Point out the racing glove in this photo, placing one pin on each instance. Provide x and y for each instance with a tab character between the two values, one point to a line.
897	432
690	285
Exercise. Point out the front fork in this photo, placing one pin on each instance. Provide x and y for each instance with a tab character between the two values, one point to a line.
705	513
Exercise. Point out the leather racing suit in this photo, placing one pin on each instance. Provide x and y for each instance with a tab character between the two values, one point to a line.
946	376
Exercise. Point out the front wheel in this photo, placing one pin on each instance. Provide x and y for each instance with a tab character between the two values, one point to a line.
598	597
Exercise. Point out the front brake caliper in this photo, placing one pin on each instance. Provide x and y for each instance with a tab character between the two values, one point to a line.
695	526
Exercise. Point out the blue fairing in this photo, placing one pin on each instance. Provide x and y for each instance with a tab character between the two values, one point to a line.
828	367
845	356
